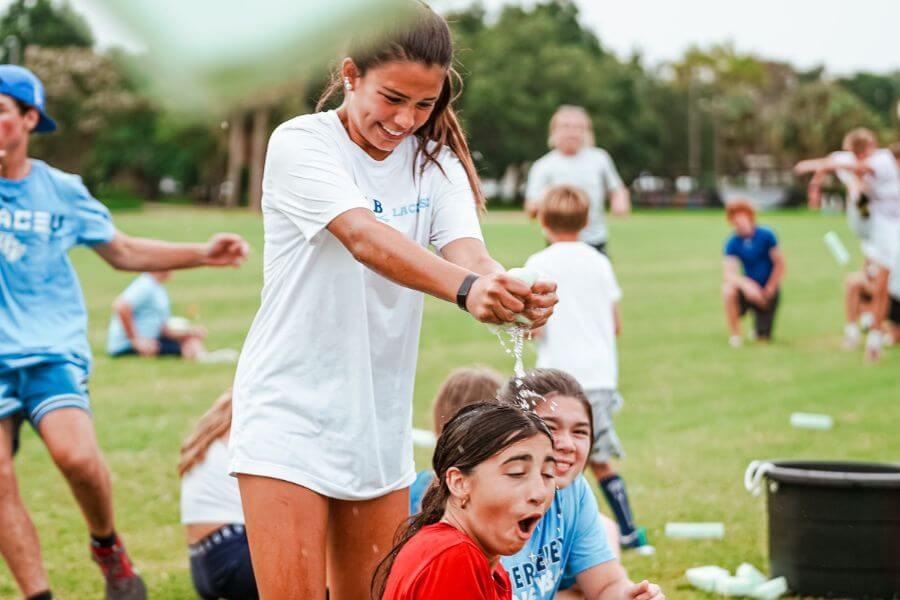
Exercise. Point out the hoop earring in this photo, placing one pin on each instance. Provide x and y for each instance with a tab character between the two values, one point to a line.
464	502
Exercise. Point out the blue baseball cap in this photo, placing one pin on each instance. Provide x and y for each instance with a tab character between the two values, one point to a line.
23	85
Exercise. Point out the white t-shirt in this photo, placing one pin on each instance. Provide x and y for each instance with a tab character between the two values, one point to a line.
591	169
208	493
324	386
882	186
580	338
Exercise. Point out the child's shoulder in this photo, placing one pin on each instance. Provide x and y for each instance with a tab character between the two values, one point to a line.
765	232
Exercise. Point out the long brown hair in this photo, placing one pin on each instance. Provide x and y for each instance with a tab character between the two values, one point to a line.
547	383
475	434
213	425
424	38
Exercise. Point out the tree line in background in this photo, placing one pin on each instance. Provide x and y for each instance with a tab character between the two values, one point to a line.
702	115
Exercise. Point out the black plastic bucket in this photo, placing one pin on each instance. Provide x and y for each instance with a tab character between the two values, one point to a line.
834	528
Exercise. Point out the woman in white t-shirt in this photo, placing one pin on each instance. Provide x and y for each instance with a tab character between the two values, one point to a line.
574	160
211	510
352	198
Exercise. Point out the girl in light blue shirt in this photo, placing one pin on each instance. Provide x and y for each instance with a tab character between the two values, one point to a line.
569	544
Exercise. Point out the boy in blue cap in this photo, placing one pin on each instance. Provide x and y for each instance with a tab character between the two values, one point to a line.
44	354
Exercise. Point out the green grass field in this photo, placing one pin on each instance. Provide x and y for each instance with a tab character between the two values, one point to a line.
696	411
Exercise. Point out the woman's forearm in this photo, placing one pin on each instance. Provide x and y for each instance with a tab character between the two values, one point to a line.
394	256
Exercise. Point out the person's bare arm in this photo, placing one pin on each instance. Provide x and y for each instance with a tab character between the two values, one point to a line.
830	165
609	581
778	270
731	269
494	298
814	189
127	253
752	291
617	319
472	254
531	207
143	346
620	202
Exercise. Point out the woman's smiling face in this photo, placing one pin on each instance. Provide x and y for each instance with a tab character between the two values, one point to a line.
390	102
571	427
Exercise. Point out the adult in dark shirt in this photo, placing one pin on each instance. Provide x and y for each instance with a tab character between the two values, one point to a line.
753	269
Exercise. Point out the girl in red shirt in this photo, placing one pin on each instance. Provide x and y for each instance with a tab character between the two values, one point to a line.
494	480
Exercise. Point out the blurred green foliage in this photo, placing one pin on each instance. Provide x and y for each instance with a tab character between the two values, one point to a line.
700	115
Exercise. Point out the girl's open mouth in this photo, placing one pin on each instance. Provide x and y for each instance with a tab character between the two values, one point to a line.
527	525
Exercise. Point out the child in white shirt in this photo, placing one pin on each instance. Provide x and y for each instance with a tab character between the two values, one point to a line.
581	337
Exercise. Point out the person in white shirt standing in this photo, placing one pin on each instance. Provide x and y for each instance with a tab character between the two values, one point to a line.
880	204
321	440
581	337
574	160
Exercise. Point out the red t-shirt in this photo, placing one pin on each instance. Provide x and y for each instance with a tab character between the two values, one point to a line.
442	563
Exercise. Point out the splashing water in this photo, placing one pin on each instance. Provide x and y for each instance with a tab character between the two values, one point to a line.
514	346
512	339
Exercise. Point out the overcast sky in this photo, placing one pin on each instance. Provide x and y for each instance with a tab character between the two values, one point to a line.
844	36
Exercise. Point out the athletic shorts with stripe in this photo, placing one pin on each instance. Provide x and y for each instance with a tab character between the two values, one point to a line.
34	390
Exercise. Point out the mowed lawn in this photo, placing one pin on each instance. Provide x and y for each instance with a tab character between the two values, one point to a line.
696	411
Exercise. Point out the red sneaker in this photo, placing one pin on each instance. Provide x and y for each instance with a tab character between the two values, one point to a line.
122	581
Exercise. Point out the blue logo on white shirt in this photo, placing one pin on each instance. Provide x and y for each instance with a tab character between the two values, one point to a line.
399	211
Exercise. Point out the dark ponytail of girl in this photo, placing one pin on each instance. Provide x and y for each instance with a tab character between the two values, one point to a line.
424	38
475	434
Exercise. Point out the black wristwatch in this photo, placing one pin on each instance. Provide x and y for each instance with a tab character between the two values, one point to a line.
463	294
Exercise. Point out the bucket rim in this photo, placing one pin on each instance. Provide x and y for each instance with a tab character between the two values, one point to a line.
796	471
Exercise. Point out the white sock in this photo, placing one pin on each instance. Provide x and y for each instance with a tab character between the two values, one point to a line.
866	320
873	340
851	331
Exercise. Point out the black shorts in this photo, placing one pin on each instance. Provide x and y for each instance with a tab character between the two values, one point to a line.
601	247
220	565
167	347
764	318
894	311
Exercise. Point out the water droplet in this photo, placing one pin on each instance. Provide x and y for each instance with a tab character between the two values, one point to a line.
374	548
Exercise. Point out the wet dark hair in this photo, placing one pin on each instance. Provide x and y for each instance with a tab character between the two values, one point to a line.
424	38
546	383
475	434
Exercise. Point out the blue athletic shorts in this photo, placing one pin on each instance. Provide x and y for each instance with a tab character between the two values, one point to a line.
37	389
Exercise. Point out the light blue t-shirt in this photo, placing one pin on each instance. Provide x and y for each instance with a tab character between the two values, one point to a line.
417	490
150	308
569	539
42	310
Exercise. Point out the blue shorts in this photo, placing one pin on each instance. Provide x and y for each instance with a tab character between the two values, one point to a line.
33	390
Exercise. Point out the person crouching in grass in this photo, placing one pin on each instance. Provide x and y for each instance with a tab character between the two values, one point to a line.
753	269
494	479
